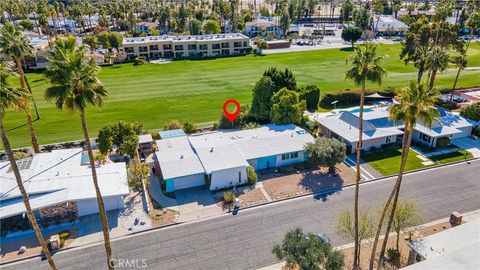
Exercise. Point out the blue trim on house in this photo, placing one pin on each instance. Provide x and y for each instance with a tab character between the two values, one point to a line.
266	162
170	187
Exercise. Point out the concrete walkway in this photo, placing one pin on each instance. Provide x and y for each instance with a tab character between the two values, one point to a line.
368	172
157	194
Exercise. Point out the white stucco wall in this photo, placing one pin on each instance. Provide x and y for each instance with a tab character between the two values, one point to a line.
279	162
88	207
466	131
228	177
194	180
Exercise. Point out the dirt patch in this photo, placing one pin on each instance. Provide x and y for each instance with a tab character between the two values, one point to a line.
162	217
252	197
308	181
404	250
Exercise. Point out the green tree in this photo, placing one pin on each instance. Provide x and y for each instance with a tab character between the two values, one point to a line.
26	24
72	74
261	45
286	107
195	27
137	173
121	134
326	152
189	127
14	44
416	104
172	124
211	27
262	93
281	79
346	11
91	41
251	175
471	111
311	95
406	216
345	225
115	40
102	38
9	97
361	18
351	34
366	66
436	60
285	23
307	251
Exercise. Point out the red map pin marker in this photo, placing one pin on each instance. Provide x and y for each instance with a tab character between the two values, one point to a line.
231	116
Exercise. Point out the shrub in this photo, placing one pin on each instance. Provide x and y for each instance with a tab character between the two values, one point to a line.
189	127
139	60
471	111
20	155
311	95
229	196
251	175
64	234
155	135
251	125
445	104
172	124
443	142
215	125
393	254
344	98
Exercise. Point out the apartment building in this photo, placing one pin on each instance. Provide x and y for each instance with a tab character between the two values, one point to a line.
165	46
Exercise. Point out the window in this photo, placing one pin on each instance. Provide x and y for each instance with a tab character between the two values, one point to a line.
203	47
237	44
244	44
192	47
129	49
239	177
226	45
290	155
142	49
388	139
215	46
153	47
178	47
294	155
167	47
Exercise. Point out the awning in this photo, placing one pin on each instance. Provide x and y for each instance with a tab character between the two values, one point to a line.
376	95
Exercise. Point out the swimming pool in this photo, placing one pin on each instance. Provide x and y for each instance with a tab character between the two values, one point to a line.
358	110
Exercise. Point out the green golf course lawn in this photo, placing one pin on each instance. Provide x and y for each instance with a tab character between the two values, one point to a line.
196	89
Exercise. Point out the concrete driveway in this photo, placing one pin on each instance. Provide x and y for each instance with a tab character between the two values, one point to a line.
196	203
468	144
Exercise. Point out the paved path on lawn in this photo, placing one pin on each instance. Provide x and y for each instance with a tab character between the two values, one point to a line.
245	241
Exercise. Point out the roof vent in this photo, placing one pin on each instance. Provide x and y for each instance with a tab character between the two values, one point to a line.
211	149
181	156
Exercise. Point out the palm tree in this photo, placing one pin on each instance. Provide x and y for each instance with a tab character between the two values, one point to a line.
15	44
473	22
366	66
73	76
436	60
416	104
9	97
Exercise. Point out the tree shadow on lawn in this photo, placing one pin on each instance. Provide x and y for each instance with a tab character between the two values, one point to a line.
346	49
320	181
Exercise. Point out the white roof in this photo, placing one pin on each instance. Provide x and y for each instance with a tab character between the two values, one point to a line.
147	138
455	248
183	39
225	149
58	177
177	158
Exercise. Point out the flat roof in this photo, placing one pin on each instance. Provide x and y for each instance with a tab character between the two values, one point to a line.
455	248
149	39
177	158
58	177
146	138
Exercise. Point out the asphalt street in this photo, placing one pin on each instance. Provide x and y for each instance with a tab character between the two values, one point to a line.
245	241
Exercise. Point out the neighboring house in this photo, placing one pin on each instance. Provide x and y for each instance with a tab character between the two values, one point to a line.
263	26
388	25
455	248
219	159
146	27
59	182
380	131
38	59
154	47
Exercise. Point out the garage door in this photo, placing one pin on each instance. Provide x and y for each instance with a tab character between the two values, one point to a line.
189	181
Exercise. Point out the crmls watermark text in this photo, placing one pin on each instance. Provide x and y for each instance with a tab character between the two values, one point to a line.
128	263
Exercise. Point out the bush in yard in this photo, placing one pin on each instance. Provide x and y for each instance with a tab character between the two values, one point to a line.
121	134
20	155
229	196
471	111
443	142
189	127
326	152
137	172
393	254
251	175
261	94
281	79
445	104
172	124
311	95
344	98
139	60
287	108
64	234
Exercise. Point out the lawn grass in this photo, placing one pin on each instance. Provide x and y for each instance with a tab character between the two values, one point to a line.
195	90
451	157
388	162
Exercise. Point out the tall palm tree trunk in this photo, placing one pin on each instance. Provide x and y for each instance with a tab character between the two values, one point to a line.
460	68
356	261
395	199
26	202
101	206
432	79
26	108
384	212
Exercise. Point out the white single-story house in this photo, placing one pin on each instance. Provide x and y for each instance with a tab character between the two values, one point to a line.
379	130
455	248
58	180
389	25
220	159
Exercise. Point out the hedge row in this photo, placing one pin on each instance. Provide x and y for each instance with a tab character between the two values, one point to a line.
348	96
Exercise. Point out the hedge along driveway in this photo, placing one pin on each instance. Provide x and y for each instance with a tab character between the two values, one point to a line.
195	90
